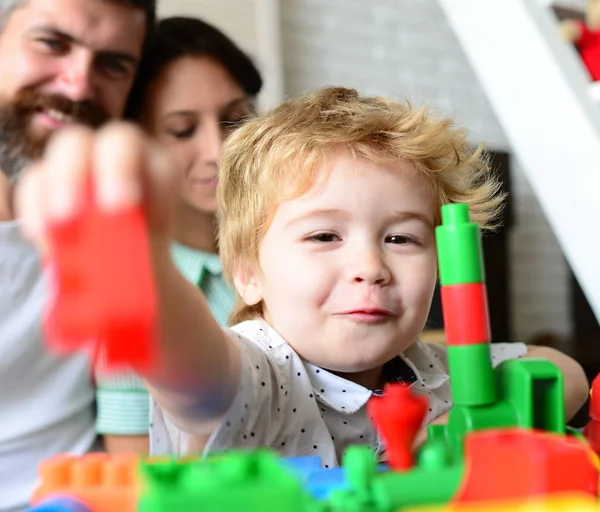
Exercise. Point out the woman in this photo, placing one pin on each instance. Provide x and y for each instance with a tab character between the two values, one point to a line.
195	87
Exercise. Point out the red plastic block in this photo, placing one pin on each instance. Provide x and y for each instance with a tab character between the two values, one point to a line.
595	399
466	320
398	415
592	430
518	463
101	482
102	286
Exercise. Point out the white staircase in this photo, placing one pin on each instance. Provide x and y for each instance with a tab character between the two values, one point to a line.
541	95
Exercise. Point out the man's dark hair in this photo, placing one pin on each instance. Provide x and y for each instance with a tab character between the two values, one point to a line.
178	37
148	6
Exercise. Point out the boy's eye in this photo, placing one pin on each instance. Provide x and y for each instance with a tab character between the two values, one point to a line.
399	240
323	237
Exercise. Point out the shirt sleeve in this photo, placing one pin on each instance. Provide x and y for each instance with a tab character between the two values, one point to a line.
505	351
274	392
123	403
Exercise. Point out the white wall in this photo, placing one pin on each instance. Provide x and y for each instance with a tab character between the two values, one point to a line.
405	48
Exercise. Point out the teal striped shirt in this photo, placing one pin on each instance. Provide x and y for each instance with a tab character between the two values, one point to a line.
123	402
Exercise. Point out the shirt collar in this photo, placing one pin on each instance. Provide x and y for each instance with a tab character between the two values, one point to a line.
194	264
417	366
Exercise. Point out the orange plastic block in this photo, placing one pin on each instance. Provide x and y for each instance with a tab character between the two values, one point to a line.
102	482
517	463
466	320
398	415
102	286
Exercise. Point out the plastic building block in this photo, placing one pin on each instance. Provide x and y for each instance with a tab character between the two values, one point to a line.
459	247
102	285
255	481
475	366
466	314
303	467
321	484
592	430
398	414
373	491
534	388
570	502
58	504
464	305
526	463
101	482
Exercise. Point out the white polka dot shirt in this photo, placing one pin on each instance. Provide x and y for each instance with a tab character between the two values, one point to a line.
297	408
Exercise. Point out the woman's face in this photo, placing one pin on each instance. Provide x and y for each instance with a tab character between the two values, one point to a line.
190	108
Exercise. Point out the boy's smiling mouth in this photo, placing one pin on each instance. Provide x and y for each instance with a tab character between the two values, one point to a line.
368	314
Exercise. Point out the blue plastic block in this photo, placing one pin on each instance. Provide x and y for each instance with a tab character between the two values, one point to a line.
302	467
321	483
59	504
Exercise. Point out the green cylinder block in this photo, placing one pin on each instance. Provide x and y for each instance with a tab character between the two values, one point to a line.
459	247
394	491
472	374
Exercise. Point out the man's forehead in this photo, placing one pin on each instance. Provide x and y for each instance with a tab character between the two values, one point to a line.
98	24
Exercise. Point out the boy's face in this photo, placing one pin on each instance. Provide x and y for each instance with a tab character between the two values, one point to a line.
348	269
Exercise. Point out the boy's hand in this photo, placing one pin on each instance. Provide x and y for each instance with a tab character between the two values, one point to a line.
123	167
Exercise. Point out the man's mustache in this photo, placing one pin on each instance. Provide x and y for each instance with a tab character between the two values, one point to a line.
85	112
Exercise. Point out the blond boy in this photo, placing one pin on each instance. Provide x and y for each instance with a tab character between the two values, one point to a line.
328	209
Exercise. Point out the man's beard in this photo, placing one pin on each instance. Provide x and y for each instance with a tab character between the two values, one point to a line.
19	145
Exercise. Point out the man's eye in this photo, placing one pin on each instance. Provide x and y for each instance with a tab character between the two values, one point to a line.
55	45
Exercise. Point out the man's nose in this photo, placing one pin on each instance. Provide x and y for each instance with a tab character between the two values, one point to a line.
77	76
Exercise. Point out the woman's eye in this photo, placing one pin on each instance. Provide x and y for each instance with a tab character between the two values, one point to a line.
183	134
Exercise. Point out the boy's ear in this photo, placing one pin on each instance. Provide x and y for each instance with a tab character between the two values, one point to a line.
248	286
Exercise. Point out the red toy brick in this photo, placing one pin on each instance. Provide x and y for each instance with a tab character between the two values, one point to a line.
398	415
102	286
592	430
466	320
519	463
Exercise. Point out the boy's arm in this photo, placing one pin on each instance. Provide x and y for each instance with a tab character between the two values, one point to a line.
198	371
575	381
200	366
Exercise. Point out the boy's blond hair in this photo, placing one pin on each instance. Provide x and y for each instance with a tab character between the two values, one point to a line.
278	156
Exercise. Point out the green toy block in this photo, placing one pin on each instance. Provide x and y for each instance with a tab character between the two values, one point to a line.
465	419
394	491
534	388
369	490
255	481
472	374
459	247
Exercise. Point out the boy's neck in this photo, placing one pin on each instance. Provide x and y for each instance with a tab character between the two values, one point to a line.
370	379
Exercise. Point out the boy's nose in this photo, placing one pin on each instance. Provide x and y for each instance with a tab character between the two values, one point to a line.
369	266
